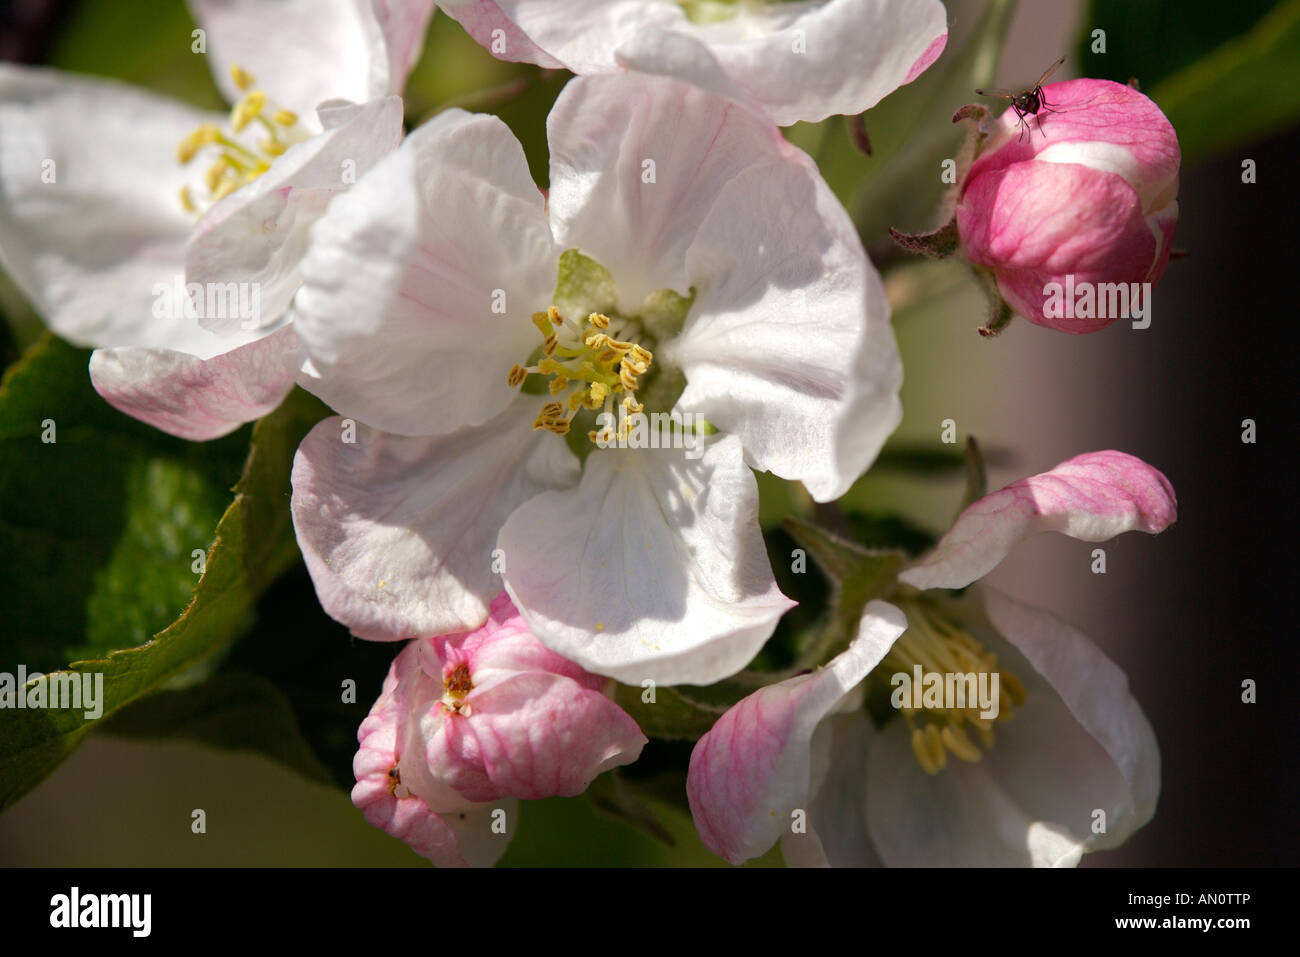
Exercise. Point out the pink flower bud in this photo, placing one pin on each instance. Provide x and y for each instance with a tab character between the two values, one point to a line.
468	722
1087	199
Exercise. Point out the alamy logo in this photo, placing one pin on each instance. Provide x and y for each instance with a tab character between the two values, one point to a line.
61	690
1098	300
213	300
948	691
103	910
657	430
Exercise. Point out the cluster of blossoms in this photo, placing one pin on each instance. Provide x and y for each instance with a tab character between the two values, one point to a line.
488	492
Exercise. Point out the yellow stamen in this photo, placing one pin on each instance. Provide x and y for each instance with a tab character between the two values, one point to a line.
243	79
237	163
588	368
246	109
205	135
941	648
212	178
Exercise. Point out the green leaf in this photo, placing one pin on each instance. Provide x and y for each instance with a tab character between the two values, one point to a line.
888	531
857	576
1154	39
673	714
101	514
924	458
977	480
113	487
611	794
1243	90
239	711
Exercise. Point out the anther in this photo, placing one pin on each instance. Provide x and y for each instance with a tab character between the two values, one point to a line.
246	109
243	79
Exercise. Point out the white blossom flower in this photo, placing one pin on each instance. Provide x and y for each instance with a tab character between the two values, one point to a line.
1069	763
182	277
704	268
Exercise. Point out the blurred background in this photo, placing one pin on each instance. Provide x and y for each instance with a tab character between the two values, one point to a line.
1188	615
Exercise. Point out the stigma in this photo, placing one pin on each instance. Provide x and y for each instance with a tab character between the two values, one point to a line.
589	367
238	162
456	685
948	686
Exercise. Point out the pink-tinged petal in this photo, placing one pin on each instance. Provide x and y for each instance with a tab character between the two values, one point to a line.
456	759
653	567
500	35
397	789
421	280
788	343
1092	497
90	220
754	767
398	532
1087	199
259	234
303	52
1015	221
409	820
544	735
504	647
1109	127
194	398
381	791
1079	744
927	57
638	220
403	24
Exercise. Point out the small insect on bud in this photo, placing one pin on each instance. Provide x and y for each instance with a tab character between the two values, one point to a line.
1075	225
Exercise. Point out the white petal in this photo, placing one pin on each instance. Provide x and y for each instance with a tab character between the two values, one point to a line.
1095	691
196	398
398	532
579	35
837	827
788	343
653	567
800	62
1092	497
794	61
399	313
636	164
481	840
302	52
89	246
1079	744
259	234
